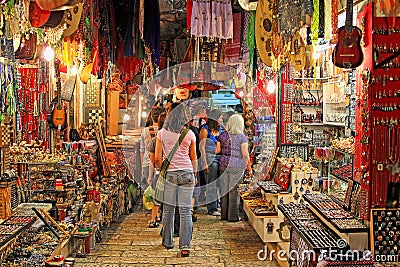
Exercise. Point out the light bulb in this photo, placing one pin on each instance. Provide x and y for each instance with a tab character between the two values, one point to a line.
127	117
271	87
48	53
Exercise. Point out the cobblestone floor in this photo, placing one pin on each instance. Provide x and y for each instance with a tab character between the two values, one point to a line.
215	243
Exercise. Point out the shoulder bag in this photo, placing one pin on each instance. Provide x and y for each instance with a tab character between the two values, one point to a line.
159	192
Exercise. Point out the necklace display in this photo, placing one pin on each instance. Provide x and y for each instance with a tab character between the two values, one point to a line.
28	95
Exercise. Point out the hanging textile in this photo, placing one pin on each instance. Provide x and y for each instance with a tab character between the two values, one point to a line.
244	48
135	28
212	19
251	42
315	22
334	21
321	19
328	20
152	29
180	48
201	16
141	18
189	5
128	47
127	66
232	48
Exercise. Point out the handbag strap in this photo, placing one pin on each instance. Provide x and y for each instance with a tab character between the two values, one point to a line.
178	143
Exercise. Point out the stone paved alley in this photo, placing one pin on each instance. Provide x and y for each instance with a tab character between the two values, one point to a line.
215	243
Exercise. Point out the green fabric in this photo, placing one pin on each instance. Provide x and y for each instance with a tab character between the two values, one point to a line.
315	22
251	38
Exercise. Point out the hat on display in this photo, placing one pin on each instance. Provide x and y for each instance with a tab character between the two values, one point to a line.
248	5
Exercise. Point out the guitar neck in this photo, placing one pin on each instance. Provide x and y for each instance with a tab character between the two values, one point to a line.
349	15
59	91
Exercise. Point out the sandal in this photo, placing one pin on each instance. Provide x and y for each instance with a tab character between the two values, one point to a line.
153	224
185	253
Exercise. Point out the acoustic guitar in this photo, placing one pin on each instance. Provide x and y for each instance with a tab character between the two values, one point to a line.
263	31
40	18
347	52
58	118
298	51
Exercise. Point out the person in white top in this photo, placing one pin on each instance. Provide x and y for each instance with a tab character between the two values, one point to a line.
145	140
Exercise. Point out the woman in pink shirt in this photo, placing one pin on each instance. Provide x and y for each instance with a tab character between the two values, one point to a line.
180	178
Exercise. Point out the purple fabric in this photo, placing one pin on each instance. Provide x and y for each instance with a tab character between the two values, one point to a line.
231	154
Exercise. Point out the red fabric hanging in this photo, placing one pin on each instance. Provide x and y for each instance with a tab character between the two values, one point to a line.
232	48
189	5
128	66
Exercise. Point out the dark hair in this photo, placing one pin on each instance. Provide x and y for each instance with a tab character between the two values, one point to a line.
161	119
155	113
239	108
178	117
198	109
212	121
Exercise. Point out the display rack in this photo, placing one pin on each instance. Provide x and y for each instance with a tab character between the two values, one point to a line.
331	211
340	175
307	216
307	232
265	140
332	214
22	218
384	233
291	150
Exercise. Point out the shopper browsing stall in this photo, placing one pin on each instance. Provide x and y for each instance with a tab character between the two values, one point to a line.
180	177
145	141
208	140
152	180
233	146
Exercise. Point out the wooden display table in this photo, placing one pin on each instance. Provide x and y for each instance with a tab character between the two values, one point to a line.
267	228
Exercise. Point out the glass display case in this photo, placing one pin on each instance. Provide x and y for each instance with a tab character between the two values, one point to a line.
334	103
265	144
340	174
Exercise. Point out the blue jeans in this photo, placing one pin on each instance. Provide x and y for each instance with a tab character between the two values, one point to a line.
178	191
230	178
211	187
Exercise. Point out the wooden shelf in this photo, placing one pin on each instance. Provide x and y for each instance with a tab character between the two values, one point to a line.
311	79
311	106
311	124
342	124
